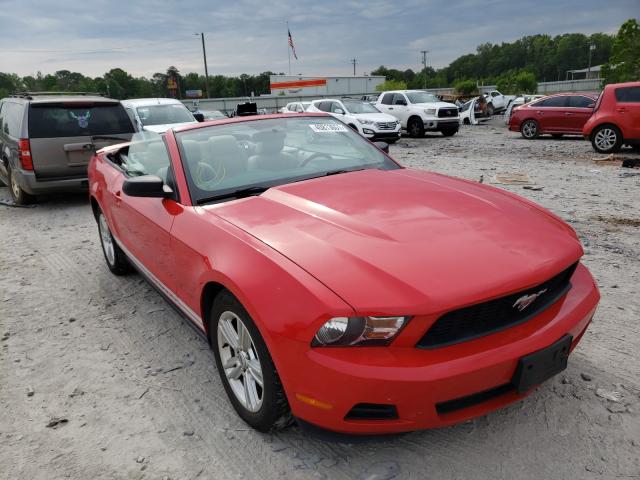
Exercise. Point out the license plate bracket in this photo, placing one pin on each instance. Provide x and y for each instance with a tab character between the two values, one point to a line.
537	367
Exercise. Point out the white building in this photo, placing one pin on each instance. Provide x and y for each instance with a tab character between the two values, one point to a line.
338	86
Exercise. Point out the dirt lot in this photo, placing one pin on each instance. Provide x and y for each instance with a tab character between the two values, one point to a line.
100	378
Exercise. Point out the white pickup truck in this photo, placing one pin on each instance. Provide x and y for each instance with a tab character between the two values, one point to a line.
419	111
497	102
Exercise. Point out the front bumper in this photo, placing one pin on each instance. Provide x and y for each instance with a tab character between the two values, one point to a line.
437	123
37	186
415	381
374	134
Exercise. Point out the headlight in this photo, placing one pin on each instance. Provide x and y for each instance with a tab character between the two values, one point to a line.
365	122
345	331
430	111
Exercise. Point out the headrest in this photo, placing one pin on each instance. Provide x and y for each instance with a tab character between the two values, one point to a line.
269	142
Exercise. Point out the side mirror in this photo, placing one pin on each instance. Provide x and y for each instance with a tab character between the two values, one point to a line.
146	186
199	117
339	111
400	102
384	146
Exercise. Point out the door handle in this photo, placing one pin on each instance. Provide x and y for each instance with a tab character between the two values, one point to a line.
118	196
390	108
540	113
568	113
621	110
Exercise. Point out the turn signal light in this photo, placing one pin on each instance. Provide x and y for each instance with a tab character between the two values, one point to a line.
24	154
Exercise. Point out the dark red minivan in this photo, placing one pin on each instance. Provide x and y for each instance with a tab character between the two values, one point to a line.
557	115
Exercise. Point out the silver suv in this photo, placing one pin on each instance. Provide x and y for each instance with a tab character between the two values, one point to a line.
48	138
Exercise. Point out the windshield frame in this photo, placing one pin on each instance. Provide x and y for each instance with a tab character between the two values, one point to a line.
192	189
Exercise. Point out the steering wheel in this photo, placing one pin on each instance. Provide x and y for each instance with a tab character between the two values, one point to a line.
205	173
314	157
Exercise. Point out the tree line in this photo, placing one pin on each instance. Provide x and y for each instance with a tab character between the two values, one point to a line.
518	66
515	67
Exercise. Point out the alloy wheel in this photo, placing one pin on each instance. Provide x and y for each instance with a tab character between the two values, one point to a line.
605	139
240	361
529	129
107	240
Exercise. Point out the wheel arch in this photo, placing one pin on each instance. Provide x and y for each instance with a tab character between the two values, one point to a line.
95	207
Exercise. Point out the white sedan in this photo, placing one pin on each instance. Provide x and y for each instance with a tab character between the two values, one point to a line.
295	107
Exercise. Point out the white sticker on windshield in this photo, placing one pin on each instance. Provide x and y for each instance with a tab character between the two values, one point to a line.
327	127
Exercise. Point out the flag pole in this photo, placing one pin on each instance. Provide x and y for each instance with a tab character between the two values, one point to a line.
288	47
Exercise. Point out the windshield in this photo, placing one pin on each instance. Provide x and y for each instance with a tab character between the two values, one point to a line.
164	114
360	107
421	97
221	159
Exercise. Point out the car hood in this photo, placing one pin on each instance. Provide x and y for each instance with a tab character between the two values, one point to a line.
164	127
406	241
435	105
375	117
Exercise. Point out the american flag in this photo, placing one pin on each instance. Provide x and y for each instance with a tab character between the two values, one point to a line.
293	48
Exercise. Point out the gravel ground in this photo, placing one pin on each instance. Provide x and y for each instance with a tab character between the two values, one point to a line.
100	378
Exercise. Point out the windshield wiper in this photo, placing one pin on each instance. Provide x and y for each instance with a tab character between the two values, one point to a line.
342	170
240	193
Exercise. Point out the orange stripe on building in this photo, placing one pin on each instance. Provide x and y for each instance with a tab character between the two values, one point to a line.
320	82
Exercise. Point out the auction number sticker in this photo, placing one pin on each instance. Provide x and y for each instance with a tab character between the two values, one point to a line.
327	127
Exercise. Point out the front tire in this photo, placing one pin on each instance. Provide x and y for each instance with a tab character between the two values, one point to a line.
17	193
449	132
606	139
114	256
415	128
529	129
245	366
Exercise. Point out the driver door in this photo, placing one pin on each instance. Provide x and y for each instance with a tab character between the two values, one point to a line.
144	224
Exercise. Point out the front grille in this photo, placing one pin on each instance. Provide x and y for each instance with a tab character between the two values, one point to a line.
372	411
448	112
386	125
489	317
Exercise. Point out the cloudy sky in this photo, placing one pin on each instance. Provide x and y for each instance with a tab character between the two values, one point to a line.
249	36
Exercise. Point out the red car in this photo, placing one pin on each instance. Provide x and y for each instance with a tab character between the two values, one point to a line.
558	115
616	119
336	286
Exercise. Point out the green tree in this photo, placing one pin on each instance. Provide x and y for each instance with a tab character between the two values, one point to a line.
624	63
466	87
391	85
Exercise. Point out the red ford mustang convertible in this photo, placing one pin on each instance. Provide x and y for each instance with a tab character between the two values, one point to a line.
336	286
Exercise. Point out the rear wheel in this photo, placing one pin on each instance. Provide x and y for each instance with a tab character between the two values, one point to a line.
116	259
415	127
529	129
449	132
245	366
17	193
606	139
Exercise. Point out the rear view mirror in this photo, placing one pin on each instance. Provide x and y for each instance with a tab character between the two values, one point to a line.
591	105
339	111
384	146
199	117
146	186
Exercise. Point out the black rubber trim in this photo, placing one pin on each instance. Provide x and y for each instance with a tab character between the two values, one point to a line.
470	400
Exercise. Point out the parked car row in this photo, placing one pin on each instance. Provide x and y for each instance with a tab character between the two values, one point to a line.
383	116
608	120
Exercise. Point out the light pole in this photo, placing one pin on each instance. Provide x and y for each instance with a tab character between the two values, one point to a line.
592	47
424	63
353	61
206	70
